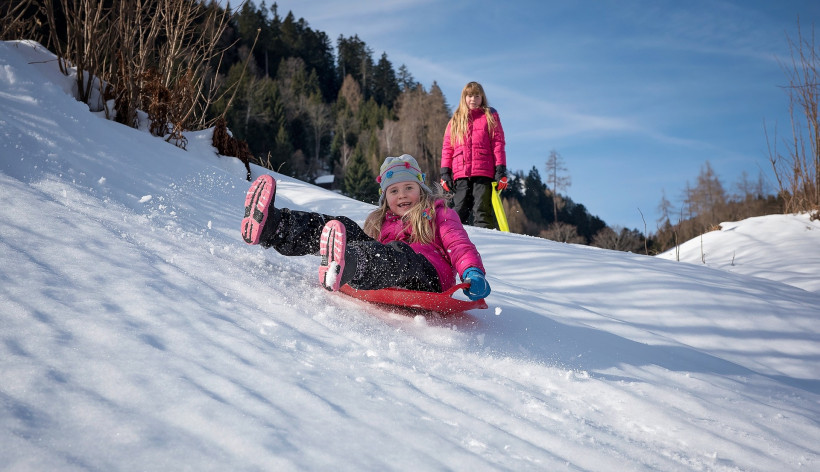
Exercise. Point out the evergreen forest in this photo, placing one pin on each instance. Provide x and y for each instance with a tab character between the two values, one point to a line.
285	96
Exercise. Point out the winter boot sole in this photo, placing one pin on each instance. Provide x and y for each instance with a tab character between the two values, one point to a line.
332	249
260	194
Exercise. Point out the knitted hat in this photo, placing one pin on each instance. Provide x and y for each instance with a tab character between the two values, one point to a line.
399	169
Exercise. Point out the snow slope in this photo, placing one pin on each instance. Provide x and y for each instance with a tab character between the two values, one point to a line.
758	247
138	331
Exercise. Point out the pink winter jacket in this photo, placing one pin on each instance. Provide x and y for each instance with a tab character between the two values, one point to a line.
478	155
450	252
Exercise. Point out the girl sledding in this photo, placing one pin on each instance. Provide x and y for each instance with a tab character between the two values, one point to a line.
412	240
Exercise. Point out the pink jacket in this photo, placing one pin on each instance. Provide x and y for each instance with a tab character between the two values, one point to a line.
479	153
450	252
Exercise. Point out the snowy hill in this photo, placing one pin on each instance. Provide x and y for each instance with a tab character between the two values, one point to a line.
138	331
774	247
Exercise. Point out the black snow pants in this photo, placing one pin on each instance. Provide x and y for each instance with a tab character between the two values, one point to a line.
473	195
396	264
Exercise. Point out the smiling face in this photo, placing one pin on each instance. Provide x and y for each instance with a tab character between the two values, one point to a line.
401	197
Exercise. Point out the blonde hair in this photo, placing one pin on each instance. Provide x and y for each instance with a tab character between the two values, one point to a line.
460	121
419	219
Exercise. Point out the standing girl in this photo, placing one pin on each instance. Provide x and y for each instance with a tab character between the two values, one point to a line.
412	240
473	156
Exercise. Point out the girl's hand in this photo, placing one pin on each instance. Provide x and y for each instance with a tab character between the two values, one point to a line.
447	179
501	177
479	287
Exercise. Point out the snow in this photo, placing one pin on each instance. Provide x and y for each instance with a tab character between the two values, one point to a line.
139	332
333	271
325	179
758	247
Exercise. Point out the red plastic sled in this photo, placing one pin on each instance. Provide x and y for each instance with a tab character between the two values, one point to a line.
442	303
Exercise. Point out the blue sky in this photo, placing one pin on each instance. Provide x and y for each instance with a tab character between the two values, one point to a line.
636	96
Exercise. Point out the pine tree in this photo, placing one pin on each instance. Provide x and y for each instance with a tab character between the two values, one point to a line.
405	79
536	201
356	59
359	182
282	152
385	85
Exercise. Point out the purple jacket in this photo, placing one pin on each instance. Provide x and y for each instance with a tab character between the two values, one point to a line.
478	155
450	252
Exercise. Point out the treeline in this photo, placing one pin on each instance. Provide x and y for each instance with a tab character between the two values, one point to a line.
306	112
534	209
531	209
292	100
707	203
272	82
296	102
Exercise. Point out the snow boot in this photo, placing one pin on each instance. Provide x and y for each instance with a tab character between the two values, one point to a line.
338	265
258	202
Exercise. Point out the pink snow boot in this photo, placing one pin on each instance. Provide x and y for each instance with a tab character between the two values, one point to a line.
257	202
332	245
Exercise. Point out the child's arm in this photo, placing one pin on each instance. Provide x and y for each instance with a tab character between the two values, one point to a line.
460	250
462	253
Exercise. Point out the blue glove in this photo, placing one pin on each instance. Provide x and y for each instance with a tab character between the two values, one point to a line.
479	288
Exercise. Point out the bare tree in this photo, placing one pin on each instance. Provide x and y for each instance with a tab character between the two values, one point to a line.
347	106
411	114
84	28
291	77
618	239
352	93
796	171
254	96
435	122
564	233
320	122
708	198
516	219
192	33
388	137
155	53
664	208
557	180
422	118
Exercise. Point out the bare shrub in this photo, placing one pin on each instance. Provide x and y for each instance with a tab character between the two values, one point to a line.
796	170
227	145
139	51
618	239
76	38
155	99
15	21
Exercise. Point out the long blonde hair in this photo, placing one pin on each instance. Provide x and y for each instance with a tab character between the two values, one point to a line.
419	219
460	122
